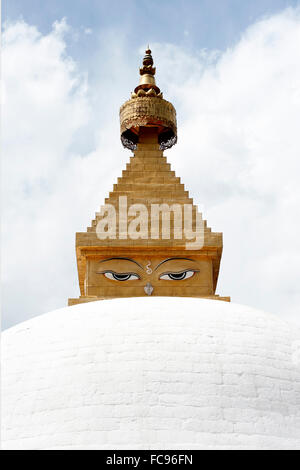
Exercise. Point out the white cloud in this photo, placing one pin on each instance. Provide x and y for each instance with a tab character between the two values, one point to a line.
45	105
240	134
238	153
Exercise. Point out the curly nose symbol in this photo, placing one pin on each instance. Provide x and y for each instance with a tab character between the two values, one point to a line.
148	288
148	269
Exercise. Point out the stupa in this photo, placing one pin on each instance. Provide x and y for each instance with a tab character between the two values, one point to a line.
149	238
151	371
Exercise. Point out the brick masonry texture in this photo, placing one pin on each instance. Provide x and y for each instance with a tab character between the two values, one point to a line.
150	373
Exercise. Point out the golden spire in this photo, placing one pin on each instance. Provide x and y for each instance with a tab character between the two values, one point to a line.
147	108
147	63
147	72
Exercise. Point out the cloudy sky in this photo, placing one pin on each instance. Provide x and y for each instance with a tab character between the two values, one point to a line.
232	70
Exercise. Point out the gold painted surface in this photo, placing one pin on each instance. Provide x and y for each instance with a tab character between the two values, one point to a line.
144	111
147	180
155	270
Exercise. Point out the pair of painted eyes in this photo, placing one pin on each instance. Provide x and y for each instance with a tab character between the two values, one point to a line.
132	276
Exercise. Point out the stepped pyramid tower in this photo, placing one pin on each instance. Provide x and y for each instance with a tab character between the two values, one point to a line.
148	238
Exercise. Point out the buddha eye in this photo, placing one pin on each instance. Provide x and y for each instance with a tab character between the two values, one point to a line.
177	276
121	276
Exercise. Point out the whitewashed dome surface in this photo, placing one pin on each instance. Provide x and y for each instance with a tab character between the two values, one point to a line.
151	373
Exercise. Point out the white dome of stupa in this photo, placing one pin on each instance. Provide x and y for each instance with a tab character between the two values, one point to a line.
151	373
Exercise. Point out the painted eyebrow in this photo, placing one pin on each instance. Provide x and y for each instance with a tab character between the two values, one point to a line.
170	259
126	259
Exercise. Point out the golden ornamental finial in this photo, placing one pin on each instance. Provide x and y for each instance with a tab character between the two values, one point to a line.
147	108
147	82
147	64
